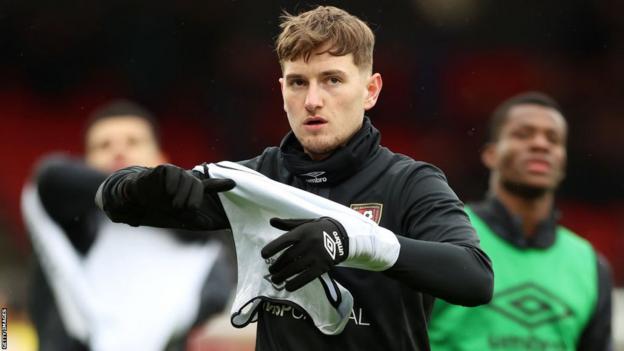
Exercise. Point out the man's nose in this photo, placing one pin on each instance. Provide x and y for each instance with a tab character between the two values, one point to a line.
119	149
540	141
313	99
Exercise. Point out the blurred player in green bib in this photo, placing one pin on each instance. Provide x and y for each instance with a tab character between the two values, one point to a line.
552	290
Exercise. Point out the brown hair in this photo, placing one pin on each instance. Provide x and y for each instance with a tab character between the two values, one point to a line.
306	32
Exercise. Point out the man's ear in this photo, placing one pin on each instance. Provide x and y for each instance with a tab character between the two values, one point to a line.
488	155
373	88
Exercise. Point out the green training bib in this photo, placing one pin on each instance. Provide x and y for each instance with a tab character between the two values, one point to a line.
543	298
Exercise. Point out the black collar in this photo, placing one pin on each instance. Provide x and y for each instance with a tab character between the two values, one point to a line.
340	165
509	227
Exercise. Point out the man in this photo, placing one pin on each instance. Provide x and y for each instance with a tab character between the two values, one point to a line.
552	291
96	284
333	151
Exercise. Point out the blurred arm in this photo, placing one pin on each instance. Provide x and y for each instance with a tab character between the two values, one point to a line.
597	334
66	187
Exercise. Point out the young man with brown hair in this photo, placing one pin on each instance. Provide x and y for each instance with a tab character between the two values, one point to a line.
333	151
552	291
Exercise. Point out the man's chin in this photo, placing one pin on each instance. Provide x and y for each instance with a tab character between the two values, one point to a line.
319	147
526	190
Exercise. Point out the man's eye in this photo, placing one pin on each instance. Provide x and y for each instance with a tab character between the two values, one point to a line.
521	134
103	145
296	82
334	80
554	138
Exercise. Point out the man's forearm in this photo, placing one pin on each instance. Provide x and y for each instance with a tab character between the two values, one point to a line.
458	274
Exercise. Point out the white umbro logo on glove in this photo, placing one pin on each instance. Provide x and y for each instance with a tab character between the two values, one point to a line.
333	244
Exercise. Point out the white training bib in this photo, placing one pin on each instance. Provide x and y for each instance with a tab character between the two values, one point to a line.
135	289
249	206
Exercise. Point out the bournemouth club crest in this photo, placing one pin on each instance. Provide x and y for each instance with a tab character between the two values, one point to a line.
371	210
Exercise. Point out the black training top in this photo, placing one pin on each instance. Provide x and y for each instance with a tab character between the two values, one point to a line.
597	333
439	257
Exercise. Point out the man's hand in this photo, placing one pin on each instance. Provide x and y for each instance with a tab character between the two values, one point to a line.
313	247
171	187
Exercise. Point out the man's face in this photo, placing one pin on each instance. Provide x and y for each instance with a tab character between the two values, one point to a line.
531	150
116	142
325	99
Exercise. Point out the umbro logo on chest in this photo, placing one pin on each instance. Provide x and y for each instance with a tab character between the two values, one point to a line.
315	177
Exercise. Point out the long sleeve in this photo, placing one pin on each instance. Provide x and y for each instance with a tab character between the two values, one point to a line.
440	253
458	274
121	207
66	187
597	335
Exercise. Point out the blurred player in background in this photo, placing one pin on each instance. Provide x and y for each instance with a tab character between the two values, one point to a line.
424	246
552	290
106	286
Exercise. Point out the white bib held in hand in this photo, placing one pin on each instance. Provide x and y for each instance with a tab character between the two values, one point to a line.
251	204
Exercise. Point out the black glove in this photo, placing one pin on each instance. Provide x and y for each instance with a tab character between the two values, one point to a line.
171	187
313	247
